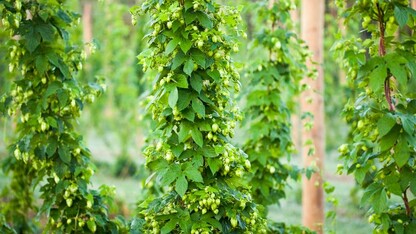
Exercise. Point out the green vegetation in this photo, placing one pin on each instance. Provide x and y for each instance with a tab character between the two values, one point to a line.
382	150
204	166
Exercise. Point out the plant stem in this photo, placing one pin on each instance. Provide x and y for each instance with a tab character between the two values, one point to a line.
382	53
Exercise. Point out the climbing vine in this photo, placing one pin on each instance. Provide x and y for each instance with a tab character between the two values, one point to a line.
48	153
270	99
382	152
190	46
274	82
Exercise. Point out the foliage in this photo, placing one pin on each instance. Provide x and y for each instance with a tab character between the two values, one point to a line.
282	228
190	47
274	84
48	152
5	82
382	152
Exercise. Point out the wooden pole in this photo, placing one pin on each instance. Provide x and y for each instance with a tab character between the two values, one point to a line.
87	26
312	101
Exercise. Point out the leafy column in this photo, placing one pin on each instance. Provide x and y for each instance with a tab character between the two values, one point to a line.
190	47
48	100
382	153
275	80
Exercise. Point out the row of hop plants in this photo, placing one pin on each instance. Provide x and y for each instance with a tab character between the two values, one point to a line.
206	179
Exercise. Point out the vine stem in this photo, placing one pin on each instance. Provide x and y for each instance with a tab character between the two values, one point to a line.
382	53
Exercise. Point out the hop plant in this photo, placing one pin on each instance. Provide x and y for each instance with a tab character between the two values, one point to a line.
190	47
48	99
381	153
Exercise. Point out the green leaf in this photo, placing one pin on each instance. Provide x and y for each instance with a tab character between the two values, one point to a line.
56	61
196	83
402	153
52	122
376	196
359	174
32	41
44	14
219	149
181	185
171	46
377	77
214	74
41	64
181	81
177	150
392	184
407	124
64	16
413	186
173	98
198	160
194	175
185	45
198	57
402	158
62	97
197	136
185	99
389	139
179	59
169	226
183	134
46	31
401	15
189	16
188	67
214	164
189	115
397	67
209	152
385	124
198	106
204	20
380	201
64	154
51	149
170	175
215	223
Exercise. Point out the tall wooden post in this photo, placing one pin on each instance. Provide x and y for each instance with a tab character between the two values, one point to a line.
312	101
87	25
